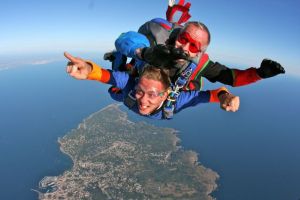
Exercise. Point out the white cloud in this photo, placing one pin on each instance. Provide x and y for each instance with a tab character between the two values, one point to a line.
43	62
19	61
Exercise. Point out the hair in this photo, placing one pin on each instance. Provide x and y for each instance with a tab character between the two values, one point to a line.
198	25
158	74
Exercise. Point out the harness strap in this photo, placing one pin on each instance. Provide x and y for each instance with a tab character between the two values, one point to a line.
130	99
181	81
200	67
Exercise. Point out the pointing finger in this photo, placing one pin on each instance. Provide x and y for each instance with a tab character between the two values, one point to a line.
70	57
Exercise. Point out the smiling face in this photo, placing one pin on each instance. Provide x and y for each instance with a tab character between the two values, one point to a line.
150	94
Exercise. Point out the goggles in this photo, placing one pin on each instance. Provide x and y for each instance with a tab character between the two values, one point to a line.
152	94
194	46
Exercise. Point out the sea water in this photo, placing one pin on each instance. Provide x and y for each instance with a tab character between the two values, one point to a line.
255	150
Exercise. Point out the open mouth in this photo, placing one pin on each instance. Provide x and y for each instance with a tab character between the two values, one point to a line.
143	107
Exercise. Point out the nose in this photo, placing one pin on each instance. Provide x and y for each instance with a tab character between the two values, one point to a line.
143	98
185	47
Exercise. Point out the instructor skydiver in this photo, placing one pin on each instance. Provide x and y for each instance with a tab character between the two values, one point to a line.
188	45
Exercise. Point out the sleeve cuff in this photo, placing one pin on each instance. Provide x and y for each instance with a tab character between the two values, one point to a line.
98	73
245	77
214	94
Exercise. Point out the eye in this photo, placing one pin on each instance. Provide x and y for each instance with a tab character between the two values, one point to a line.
139	91
182	39
152	95
193	48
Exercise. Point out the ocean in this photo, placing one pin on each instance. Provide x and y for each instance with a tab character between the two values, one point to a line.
255	150
38	104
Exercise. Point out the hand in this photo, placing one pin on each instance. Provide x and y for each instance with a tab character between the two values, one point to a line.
229	102
269	68
163	55
77	67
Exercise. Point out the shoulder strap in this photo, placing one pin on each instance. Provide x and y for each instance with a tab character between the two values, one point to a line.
200	66
130	99
195	81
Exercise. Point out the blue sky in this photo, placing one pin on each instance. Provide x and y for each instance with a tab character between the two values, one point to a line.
243	32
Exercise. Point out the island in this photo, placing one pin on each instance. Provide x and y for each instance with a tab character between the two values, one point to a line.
115	158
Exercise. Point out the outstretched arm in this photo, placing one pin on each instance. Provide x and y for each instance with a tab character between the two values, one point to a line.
235	77
85	70
228	101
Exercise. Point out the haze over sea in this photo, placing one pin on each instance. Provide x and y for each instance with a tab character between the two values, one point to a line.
255	151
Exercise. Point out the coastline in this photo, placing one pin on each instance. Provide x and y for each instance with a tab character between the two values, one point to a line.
57	183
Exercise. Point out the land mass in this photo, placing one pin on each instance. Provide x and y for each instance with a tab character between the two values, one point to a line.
114	158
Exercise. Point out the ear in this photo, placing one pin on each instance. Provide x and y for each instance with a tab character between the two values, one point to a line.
169	90
166	94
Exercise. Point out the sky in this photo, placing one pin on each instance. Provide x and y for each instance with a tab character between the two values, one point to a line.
243	32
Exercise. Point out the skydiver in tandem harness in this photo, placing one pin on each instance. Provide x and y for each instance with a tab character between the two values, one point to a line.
148	94
181	49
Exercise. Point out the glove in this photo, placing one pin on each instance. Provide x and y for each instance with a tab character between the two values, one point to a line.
128	42
162	55
269	68
109	56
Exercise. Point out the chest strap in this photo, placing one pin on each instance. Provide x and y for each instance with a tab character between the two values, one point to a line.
174	94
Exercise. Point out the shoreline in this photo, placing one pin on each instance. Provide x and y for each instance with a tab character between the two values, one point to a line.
188	155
